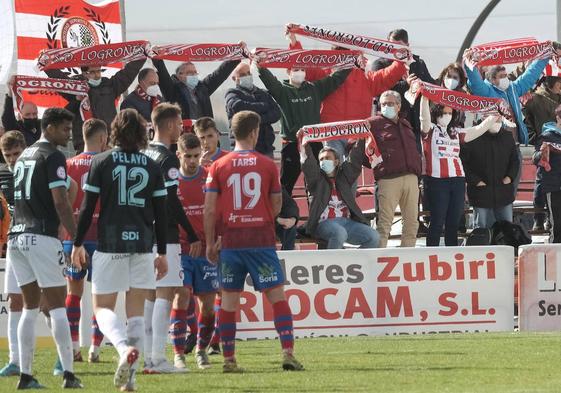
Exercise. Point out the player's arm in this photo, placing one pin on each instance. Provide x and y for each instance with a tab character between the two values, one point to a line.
64	209
276	203
160	225
85	217
177	210
209	222
275	193
72	191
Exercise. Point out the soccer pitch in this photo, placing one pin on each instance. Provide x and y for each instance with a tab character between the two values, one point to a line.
482	362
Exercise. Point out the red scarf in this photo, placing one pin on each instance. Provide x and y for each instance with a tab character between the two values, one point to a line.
511	51
549	147
301	58
356	129
142	94
200	52
369	45
462	101
95	55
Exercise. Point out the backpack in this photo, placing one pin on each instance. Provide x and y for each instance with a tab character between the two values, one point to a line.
479	237
509	234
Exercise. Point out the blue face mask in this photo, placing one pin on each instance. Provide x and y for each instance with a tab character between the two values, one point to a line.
192	81
328	166
388	112
94	82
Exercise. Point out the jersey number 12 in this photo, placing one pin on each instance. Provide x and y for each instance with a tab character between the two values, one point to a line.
128	196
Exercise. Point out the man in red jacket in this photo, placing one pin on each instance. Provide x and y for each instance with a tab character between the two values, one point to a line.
397	176
353	99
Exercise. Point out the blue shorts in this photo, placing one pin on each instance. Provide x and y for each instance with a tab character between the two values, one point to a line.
262	264
199	274
70	272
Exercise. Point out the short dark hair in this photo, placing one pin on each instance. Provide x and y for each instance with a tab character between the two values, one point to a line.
457	67
92	127
188	141
399	35
11	140
243	123
493	71
165	111
550	81
182	65
437	110
128	131
55	117
330	149
144	73
204	123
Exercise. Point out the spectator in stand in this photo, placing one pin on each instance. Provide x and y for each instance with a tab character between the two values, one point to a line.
246	96
353	100
334	214
397	177
498	85
285	225
206	131
26	121
146	96
102	95
548	159
491	163
300	102
540	109
445	179
191	93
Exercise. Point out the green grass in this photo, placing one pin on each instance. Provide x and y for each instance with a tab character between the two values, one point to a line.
484	362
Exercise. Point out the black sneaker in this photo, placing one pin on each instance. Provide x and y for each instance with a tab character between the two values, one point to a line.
26	381
214	349
71	382
190	343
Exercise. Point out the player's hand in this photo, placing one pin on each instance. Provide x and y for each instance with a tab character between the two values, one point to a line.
195	249
205	159
286	223
212	251
161	266
78	257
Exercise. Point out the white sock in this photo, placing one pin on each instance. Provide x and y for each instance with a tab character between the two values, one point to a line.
61	334
48	321
26	339
148	311
76	346
13	321
113	329
135	333
160	326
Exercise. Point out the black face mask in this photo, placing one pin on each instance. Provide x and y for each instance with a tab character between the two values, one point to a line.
32	124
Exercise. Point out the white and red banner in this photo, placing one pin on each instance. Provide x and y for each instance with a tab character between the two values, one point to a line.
354	129
539	295
200	52
96	55
511	51
307	58
390	291
369	45
40	25
462	101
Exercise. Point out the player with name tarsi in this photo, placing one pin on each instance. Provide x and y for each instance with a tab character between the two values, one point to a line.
247	247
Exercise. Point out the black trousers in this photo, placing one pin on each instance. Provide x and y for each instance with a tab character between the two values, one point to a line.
290	163
554	206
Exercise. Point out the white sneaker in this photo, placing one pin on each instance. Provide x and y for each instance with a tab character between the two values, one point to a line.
164	367
202	359
125	369
179	362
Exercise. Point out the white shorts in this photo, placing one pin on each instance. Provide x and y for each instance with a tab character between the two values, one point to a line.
120	272
10	282
174	278
37	258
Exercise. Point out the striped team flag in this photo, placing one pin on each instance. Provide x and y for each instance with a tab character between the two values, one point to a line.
40	24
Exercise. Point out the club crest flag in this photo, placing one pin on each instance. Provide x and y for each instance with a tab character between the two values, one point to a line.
56	24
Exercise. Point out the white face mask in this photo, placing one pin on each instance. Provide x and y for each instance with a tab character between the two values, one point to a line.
451	83
153	91
94	82
444	120
495	127
298	76
327	166
246	82
504	83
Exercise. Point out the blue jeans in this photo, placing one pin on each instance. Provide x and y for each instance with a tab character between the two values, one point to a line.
336	231
486	217
446	200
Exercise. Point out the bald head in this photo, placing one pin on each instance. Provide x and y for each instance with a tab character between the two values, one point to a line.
29	111
242	76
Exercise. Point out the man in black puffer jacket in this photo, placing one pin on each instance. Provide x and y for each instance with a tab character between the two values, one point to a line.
491	164
548	177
